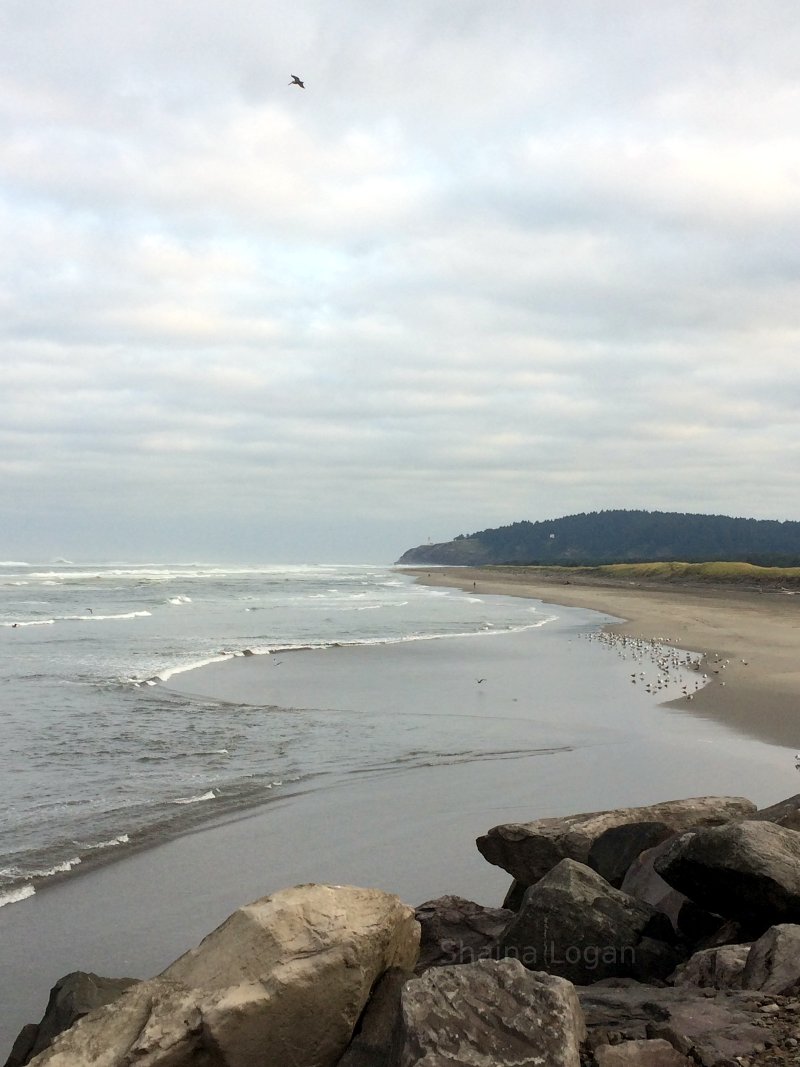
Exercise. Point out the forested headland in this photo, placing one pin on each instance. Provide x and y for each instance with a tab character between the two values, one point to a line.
621	536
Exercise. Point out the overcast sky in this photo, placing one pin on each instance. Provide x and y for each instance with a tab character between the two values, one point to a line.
497	261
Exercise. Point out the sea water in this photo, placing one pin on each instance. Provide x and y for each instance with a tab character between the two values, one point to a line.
97	755
142	701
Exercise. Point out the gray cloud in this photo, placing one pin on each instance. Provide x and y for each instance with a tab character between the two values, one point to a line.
489	265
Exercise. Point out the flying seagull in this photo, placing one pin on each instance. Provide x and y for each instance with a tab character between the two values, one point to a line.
296	81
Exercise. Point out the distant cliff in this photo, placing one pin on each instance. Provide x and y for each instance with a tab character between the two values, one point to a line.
621	536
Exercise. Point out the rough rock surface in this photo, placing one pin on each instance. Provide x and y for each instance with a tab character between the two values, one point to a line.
283	980
714	1026
713	968
72	997
529	850
747	871
773	963
490	1014
574	924
455	930
647	1053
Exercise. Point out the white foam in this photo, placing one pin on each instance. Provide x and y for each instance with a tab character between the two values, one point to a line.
167	674
30	622
58	868
123	839
179	600
210	795
13	896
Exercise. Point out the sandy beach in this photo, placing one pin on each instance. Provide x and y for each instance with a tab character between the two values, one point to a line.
750	639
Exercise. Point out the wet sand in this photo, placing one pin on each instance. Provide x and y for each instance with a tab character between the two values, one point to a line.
750	639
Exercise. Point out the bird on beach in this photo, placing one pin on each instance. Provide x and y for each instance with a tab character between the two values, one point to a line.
296	81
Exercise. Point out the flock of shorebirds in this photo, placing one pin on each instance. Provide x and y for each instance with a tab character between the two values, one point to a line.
670	663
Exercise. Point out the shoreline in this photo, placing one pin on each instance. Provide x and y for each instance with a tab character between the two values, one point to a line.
750	641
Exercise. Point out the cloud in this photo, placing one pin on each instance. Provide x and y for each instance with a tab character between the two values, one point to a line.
488	265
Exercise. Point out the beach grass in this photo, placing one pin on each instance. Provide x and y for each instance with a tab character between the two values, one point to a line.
730	572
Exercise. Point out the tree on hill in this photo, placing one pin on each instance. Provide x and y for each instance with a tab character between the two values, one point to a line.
620	536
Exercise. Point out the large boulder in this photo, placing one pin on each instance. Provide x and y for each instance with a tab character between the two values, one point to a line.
455	930
574	924
490	1014
747	871
529	850
283	980
72	997
773	963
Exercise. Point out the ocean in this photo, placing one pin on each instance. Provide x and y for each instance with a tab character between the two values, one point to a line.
97	754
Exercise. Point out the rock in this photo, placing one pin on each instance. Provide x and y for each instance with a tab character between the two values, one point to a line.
455	930
696	924
377	1034
713	968
747	871
612	853
490	1014
72	997
574	924
785	813
716	1025
773	964
22	1049
655	1053
513	898
642	882
283	980
529	850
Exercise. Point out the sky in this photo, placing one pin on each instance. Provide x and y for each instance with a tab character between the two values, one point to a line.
496	261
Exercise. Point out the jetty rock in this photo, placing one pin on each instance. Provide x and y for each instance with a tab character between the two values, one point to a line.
746	871
574	924
529	850
284	980
490	1014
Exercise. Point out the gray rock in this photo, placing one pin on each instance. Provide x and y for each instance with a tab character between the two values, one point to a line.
490	1014
642	882
773	964
529	850
574	924
713	968
283	980
22	1049
646	1053
613	852
747	871
455	930
378	1033
784	813
716	1028
72	997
